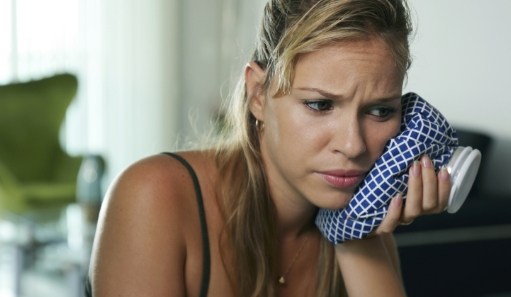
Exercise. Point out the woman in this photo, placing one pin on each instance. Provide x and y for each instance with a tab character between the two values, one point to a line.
315	108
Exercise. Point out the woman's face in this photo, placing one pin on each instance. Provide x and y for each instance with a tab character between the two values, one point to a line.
319	141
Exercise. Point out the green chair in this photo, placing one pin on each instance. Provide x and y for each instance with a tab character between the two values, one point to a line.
35	172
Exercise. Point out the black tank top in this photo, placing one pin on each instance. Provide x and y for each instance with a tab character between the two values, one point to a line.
204	232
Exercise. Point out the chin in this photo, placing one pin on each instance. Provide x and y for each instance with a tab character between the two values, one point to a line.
340	201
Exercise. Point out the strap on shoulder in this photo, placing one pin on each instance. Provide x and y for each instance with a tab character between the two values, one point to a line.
204	228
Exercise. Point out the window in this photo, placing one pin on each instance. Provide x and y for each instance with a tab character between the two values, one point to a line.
41	38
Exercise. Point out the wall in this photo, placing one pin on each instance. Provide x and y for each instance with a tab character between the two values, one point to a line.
190	52
462	58
138	67
461	51
216	41
164	67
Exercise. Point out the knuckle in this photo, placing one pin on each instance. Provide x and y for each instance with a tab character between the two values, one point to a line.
441	207
430	205
385	230
413	212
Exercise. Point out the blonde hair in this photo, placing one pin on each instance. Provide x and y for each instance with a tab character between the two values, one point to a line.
289	28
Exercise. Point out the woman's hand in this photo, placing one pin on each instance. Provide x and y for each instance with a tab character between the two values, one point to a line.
370	266
428	193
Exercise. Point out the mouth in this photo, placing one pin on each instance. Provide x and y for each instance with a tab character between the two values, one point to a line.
342	180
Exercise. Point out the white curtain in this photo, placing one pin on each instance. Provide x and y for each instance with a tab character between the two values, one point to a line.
38	39
151	73
41	38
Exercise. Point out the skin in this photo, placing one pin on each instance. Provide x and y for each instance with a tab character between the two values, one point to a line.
342	109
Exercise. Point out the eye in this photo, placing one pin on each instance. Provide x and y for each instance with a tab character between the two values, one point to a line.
320	105
382	112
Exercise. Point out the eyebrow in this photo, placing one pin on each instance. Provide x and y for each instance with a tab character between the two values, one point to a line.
327	94
320	91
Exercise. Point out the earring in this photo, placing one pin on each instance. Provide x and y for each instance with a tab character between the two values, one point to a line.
259	125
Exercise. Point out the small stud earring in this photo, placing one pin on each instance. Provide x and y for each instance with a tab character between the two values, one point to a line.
259	125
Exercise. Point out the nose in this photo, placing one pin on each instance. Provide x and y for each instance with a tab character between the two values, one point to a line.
349	139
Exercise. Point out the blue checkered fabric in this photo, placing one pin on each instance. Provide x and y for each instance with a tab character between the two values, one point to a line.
423	131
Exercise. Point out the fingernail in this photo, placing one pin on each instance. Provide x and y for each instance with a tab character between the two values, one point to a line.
444	173
416	168
398	200
426	162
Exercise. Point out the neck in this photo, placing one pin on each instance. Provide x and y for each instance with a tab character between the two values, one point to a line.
294	219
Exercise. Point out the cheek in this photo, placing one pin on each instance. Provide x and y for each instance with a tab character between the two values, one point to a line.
293	135
290	133
378	137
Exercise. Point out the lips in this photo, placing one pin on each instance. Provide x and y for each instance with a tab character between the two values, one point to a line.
343	179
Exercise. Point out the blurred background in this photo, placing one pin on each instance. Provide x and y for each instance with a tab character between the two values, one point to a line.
111	81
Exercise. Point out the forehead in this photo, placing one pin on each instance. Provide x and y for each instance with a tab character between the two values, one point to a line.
358	59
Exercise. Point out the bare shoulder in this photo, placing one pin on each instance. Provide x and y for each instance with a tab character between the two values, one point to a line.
153	187
146	217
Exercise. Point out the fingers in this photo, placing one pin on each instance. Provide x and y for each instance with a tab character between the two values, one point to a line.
413	207
430	199
428	192
444	188
393	217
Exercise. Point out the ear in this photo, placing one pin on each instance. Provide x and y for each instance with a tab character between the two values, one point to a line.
254	80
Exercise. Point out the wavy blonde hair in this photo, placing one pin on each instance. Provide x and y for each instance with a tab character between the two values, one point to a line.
289	28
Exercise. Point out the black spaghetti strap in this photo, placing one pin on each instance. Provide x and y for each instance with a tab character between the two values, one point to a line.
204	231
204	228
87	287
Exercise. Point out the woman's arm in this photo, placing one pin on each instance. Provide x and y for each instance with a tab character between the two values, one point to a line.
370	267
367	269
139	248
390	245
